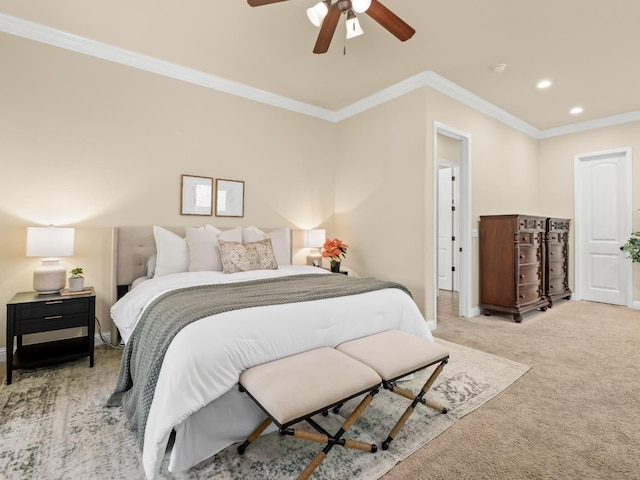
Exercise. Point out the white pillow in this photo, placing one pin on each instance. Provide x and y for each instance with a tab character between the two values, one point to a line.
280	241
172	252
204	253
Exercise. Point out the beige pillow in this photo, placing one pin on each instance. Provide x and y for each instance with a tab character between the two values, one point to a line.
239	257
203	246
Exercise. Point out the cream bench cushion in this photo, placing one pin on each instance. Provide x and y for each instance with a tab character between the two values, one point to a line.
292	388
394	354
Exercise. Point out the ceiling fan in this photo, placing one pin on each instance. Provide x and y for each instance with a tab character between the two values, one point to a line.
326	13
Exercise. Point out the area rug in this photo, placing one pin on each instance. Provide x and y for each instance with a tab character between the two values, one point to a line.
53	425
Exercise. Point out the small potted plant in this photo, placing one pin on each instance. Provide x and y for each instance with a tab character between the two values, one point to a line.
76	280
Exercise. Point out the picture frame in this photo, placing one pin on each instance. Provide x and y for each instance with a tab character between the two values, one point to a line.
229	198
196	195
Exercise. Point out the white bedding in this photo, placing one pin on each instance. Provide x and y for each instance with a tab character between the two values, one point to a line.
195	393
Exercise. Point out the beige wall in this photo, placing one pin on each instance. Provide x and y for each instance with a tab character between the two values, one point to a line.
92	144
384	188
556	160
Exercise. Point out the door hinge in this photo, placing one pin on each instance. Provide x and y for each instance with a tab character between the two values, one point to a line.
453	239
460	249
453	178
453	208
453	269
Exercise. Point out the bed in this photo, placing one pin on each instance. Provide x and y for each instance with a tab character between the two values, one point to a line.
196	394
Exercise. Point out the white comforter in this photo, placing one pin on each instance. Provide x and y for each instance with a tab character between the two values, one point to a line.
204	361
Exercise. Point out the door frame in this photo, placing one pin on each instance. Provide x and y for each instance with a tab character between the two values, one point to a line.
464	219
579	215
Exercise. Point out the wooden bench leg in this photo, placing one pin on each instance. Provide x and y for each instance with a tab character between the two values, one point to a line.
415	399
256	433
331	440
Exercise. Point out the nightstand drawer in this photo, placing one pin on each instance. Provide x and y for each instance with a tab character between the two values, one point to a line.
50	322
53	308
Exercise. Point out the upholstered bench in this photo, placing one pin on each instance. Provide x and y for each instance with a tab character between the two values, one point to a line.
295	388
394	354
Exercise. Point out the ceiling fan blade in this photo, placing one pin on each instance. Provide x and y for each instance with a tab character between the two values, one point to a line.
389	20
257	3
326	30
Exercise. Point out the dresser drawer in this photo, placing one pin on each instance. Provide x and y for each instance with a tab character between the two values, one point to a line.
556	284
51	322
528	254
556	252
528	294
529	274
558	268
53	308
530	223
556	238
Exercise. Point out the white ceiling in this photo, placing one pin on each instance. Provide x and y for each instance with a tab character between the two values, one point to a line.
588	48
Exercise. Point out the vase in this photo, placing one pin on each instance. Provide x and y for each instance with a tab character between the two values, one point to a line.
335	266
76	284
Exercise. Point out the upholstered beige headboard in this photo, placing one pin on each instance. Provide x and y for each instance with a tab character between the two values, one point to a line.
132	246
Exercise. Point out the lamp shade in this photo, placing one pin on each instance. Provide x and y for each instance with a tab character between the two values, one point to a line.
360	6
50	241
353	26
316	238
317	13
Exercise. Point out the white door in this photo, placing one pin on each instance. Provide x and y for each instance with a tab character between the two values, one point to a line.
603	225
445	229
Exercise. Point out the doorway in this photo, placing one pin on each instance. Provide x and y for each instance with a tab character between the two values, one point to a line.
603	225
453	147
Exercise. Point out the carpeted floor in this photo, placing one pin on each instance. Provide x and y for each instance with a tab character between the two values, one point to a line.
54	425
575	415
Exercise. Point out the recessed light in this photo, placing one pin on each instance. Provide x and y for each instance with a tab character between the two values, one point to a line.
576	111
542	84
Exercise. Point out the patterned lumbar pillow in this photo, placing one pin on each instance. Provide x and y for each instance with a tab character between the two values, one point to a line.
239	257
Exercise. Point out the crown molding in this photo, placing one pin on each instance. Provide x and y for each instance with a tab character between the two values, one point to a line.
592	124
58	38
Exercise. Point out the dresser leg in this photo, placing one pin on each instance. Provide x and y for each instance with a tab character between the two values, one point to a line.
517	317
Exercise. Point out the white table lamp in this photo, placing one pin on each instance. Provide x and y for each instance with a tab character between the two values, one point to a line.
49	243
314	240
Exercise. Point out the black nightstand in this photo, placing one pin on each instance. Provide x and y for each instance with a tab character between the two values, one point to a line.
28	312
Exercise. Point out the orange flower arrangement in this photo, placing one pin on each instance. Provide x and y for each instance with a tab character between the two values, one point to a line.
335	250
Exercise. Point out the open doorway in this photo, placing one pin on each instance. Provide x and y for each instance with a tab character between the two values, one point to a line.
452	223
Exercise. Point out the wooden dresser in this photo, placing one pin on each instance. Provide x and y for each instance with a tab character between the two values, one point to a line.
556	279
512	264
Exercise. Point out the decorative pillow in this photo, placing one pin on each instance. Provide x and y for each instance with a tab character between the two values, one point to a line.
238	257
151	265
172	252
280	240
204	253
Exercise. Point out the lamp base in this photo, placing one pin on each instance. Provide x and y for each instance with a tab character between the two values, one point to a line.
315	260
50	277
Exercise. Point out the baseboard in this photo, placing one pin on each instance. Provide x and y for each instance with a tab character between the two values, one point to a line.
105	335
635	305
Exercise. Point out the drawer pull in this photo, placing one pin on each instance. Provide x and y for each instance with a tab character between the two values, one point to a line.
53	317
53	302
521	276
521	256
521	296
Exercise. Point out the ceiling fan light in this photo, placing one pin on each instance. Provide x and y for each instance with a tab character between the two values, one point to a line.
317	13
353	26
360	6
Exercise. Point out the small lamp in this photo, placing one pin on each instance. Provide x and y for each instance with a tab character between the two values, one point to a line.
50	243
315	240
353	25
317	13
